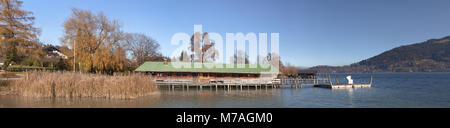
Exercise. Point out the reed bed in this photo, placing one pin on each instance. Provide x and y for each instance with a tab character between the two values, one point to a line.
4	83
69	84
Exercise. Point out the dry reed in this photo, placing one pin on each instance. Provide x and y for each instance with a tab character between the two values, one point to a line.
69	84
4	83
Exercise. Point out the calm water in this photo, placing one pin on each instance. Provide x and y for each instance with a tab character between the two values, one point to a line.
388	90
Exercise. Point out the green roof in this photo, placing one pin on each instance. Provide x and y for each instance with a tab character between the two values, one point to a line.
205	67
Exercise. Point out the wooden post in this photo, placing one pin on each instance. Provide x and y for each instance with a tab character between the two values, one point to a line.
301	83
290	82
296	85
315	79
337	80
329	80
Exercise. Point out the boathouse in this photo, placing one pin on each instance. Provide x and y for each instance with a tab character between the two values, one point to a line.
207	72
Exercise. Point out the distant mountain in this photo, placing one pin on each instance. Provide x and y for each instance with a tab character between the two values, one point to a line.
429	56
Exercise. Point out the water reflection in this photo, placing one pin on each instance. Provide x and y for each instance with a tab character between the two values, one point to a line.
32	102
220	98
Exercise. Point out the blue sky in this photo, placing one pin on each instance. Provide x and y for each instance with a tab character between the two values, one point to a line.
312	32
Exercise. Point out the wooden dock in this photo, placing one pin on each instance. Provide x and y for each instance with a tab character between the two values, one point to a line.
344	86
227	86
322	82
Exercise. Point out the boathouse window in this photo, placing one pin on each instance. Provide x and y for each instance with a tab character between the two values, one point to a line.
194	74
235	75
205	74
178	74
219	75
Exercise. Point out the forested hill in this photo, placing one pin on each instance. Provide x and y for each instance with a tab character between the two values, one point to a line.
429	56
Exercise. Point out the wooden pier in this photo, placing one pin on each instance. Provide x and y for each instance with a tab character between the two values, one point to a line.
344	86
185	85
317	81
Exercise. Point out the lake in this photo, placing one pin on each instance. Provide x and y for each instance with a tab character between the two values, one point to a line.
388	90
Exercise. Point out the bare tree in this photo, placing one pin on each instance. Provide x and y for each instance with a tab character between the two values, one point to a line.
143	48
202	48
240	58
184	57
274	60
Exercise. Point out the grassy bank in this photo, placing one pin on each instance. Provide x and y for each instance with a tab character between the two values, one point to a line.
68	84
